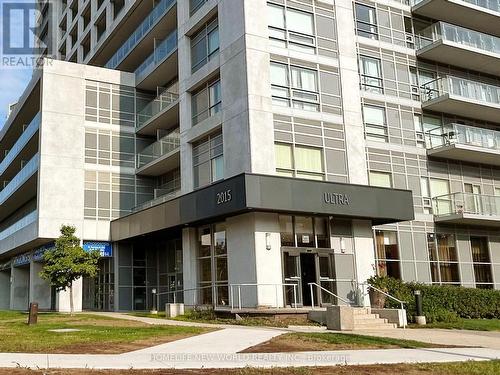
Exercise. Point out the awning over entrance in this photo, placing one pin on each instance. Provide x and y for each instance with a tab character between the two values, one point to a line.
250	192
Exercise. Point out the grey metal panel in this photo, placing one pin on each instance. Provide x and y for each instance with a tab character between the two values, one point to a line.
405	246
408	269
423	272
467	273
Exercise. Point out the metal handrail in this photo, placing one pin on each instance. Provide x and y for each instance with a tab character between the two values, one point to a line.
174	292
325	290
387	295
277	285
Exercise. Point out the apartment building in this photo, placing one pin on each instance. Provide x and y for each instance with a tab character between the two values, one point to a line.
255	153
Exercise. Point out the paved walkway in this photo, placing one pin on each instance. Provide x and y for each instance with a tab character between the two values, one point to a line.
219	349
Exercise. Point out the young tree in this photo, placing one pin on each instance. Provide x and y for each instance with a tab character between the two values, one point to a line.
68	262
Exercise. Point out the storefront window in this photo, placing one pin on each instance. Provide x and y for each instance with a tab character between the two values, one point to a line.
304	231
286	229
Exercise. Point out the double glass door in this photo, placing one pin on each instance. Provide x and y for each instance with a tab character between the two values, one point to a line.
305	268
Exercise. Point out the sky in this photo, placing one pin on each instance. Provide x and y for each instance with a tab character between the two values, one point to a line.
13	79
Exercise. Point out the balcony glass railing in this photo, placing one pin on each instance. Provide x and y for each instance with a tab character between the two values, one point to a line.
166	144
18	225
162	50
162	101
465	88
149	22
29	169
460	35
20	143
465	135
161	196
493	5
466	203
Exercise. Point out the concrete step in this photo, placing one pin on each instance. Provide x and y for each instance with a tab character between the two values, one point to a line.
362	311
370	322
366	317
375	327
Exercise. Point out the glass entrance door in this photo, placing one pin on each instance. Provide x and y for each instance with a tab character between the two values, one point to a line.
291	270
327	279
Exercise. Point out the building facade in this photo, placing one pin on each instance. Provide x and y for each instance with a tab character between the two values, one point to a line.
255	153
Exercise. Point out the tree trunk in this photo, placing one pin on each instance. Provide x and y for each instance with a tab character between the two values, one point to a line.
71	307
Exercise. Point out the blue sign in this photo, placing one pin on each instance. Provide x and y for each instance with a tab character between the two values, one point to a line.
21	260
40	252
104	248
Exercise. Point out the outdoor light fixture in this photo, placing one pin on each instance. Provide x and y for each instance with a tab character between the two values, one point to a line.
268	241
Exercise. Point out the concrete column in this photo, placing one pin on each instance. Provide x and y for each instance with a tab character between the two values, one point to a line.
39	289
20	288
5	290
63	300
190	271
364	251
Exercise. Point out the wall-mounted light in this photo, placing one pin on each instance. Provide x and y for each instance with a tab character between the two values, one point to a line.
268	241
342	245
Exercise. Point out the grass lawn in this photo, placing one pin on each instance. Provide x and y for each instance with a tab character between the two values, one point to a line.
300	342
208	316
97	334
465	368
470	324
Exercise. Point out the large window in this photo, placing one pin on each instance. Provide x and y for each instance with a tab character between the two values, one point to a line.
294	86
304	231
381	179
443	258
212	265
366	21
299	161
371	74
291	28
481	260
387	254
194	5
208	160
205	45
206	102
375	123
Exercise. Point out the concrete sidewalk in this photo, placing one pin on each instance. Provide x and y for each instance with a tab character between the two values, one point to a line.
211	359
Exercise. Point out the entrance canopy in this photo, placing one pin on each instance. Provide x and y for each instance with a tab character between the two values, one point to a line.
251	192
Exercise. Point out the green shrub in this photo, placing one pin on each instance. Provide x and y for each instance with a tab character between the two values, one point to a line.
445	303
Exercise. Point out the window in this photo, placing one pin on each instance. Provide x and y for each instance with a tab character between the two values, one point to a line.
291	28
212	265
208	161
194	5
299	161
426	195
304	231
440	189
481	260
294	86
206	102
380	179
443	258
375	123
371	74
366	21
387	254
205	45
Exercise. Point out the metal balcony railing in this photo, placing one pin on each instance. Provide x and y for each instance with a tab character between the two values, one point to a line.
166	144
466	203
20	143
162	50
162	101
464	135
465	88
145	27
161	196
457	34
18	225
29	169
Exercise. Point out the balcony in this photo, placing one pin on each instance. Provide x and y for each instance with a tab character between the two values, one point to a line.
18	225
160	66
164	109
467	209
161	15
465	143
20	144
20	189
462	97
458	46
160	157
161	196
481	15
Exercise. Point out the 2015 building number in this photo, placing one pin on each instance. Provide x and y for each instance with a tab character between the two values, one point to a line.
224	197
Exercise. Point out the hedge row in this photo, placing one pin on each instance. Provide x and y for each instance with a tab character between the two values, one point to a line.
446	303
